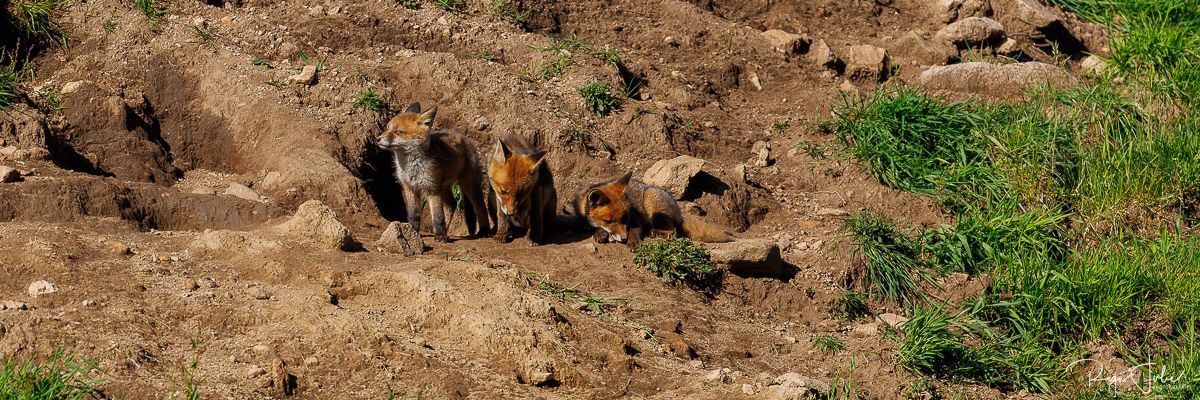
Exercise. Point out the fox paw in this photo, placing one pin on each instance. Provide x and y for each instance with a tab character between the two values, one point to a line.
502	238
441	238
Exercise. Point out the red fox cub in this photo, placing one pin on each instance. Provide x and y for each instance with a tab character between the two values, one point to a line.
624	208
524	189
428	163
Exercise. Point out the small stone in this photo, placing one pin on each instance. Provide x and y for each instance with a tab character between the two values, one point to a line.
696	364
848	87
401	238
671	41
748	389
971	32
311	361
482	123
674	174
755	82
190	284
119	248
718	375
306	76
786	42
71	87
315	223
762	153
270	180
1010	47
9	175
89	303
13	305
823	55
867	63
262	350
208	282
260	293
40	288
867	329
740	173
892	320
242	192
953	10
255	371
1092	65
541	378
832	212
914	47
1026	15
590	248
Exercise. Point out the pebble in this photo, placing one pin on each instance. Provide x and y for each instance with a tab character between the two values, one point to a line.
41	288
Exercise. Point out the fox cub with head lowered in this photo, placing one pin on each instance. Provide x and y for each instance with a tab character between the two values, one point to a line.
428	163
624	209
524	189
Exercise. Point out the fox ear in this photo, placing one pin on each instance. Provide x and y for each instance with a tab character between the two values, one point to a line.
414	108
596	199
624	179
426	118
502	151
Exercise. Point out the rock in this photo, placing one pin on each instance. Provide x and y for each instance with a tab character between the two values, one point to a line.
740	173
795	386
41	288
9	175
994	80
971	32
315	223
915	47
867	63
848	87
119	248
1025	15
262	350
749	257
590	248
673	174
89	303
867	329
718	375
280	380
401	238
270	180
671	41
307	75
311	361
482	123
795	380
255	371
755	82
892	320
762	153
1090	65
541	378
822	55
697	364
190	285
71	87
260	293
13	305
241	191
748	389
952	10
33	153
832	212
787	43
1009	48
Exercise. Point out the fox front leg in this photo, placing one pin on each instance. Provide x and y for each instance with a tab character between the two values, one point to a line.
412	205
600	235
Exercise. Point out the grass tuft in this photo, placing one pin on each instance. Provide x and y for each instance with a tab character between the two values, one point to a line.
598	98
368	100
58	376
829	344
454	6
890	259
572	296
509	11
36	20
677	260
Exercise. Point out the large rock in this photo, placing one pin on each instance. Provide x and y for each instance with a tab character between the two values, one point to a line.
822	55
787	43
971	32
401	238
9	174
41	288
953	10
865	62
674	174
316	224
749	257
241	191
796	387
915	48
1025	15
994	80
1090	65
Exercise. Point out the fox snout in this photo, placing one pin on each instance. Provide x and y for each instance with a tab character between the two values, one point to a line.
393	142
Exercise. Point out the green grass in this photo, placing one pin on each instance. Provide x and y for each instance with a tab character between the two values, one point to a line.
203	36
454	6
890	260
57	376
829	344
509	11
677	261
10	81
572	296
851	306
368	100
598	98
150	9
36	20
409	4
553	68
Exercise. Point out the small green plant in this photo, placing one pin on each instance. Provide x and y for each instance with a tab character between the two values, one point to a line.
277	83
780	126
677	260
841	387
922	388
110	26
568	295
453	6
851	305
506	10
150	9
409	4
610	55
58	376
35	19
51	98
259	61
890	259
829	344
191	391
368	100
598	98
204	36
482	55
638	112
553	68
456	194
10	79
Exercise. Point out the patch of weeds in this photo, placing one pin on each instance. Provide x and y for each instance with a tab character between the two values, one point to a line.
610	55
36	20
598	98
191	391
677	261
454	6
368	100
572	296
976	243
813	149
409	4
780	126
922	389
58	376
829	344
482	55
203	36
553	68
507	10
933	344
277	83
457	195
638	112
10	79
150	9
110	26
259	61
890	259
51	98
841	387
851	306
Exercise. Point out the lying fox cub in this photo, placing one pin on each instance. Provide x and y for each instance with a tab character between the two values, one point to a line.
624	208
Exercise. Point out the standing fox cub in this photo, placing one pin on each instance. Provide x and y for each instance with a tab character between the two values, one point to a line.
524	189
624	208
428	163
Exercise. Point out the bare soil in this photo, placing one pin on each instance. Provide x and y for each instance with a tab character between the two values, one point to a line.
141	154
